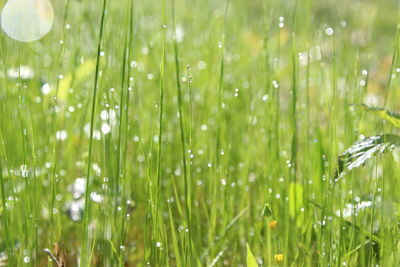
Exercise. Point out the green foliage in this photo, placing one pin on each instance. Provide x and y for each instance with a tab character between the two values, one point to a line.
250	260
81	73
186	118
390	116
296	202
363	150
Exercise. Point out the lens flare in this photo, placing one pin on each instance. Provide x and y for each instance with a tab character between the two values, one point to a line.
27	20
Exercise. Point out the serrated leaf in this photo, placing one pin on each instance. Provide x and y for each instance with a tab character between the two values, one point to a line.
365	149
390	116
250	260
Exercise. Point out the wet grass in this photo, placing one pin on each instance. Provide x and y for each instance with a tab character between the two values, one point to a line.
154	133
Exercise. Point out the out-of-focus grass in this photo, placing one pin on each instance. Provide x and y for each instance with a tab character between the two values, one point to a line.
258	113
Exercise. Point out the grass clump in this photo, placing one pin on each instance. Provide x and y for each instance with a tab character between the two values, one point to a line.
153	133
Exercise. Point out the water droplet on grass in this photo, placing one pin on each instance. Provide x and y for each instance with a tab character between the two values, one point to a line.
46	89
61	135
96	197
145	50
105	128
24	171
201	65
179	34
329	31
27	259
23	72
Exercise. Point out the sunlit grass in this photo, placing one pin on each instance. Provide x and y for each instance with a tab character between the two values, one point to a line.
156	133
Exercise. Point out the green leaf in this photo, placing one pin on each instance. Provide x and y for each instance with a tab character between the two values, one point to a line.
363	150
390	116
250	260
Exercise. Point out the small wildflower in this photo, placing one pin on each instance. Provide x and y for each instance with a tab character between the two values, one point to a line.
279	258
273	225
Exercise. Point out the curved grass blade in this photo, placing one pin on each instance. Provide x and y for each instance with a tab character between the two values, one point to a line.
363	150
390	116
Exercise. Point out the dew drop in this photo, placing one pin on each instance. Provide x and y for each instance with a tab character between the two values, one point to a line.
329	31
27	259
105	128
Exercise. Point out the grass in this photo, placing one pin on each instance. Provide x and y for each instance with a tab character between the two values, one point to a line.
182	119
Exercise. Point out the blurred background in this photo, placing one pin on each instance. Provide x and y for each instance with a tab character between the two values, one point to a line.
267	91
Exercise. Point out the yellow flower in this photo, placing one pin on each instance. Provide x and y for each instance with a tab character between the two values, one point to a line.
273	225
279	258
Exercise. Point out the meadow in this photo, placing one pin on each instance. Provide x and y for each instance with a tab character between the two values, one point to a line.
201	133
